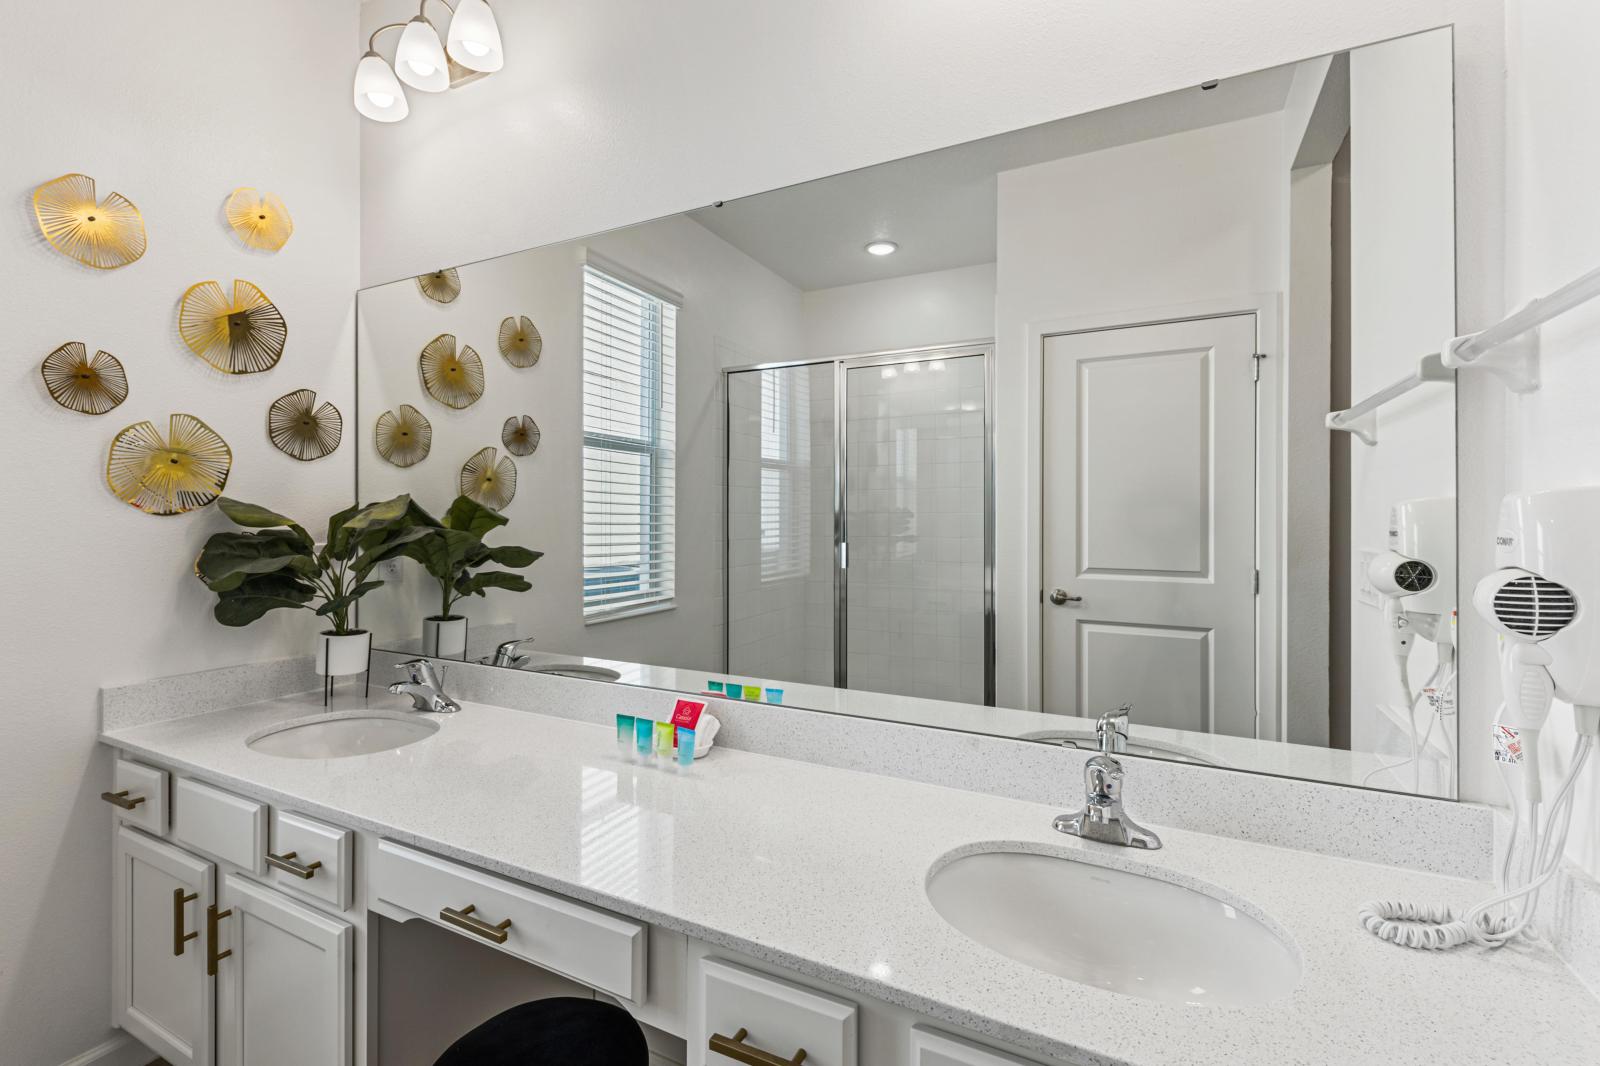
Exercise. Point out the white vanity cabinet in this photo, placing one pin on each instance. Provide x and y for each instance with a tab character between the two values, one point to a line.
929	1047
210	965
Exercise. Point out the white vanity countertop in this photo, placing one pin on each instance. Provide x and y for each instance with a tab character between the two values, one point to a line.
822	871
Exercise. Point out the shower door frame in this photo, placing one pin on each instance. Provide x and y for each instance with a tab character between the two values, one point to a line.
842	364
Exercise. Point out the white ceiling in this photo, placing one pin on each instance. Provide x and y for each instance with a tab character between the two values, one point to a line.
940	206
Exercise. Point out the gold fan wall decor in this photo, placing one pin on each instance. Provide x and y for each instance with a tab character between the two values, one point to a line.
244	334
491	483
520	342
104	234
455	380
259	218
300	427
403	436
442	286
79	382
182	471
520	435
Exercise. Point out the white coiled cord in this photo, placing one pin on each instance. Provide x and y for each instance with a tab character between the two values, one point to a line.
1435	927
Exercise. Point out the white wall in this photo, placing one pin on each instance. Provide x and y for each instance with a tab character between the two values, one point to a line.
1191	217
912	311
173	106
734	310
1554	235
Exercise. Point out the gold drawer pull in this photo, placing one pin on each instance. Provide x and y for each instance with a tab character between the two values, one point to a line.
121	799
179	937
465	919
305	871
213	956
735	1048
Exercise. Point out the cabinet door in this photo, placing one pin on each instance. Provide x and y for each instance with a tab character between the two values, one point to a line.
285	992
929	1047
160	992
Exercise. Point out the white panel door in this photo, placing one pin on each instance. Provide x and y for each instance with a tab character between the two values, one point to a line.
1148	508
286	993
160	991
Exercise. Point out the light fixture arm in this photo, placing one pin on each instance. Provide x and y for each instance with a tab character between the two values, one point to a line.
372	41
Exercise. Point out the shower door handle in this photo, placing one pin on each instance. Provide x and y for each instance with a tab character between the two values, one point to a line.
1061	597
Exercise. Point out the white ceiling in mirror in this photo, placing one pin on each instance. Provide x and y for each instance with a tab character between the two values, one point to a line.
940	207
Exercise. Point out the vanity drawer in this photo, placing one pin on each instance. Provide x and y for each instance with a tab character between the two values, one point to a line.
311	857
225	826
929	1047
760	1013
589	945
145	788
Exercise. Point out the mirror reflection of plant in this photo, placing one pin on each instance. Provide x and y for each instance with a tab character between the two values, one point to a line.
278	565
453	553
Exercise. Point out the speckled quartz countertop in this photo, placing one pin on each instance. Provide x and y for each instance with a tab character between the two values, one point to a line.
822	871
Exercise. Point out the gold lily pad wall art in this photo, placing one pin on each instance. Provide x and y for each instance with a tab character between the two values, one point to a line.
520	435
91	385
403	436
300	427
241	334
104	234
441	286
453	378
259	218
167	475
487	481
520	342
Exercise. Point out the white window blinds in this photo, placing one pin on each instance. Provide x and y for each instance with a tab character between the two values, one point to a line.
785	473
629	423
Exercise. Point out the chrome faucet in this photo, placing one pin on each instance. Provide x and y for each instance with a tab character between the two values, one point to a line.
422	684
1102	817
1111	731
507	653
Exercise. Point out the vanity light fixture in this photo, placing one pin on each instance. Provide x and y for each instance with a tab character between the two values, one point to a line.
422	62
882	248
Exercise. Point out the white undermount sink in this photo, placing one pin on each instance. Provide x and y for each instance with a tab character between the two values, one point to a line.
1120	931
338	734
580	670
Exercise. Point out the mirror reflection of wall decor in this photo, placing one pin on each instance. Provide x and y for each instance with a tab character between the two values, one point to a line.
91	385
403	436
167	475
520	435
104	234
302	428
441	286
520	341
242	334
453	378
487	481
259	218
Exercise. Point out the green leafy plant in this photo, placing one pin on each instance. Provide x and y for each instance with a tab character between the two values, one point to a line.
453	553
278	565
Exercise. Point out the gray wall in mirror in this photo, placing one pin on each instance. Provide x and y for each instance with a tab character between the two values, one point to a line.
1065	449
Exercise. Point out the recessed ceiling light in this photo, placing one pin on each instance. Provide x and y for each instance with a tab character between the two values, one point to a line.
882	248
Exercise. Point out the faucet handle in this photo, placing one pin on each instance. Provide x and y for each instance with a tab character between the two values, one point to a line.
1111	729
420	672
1102	780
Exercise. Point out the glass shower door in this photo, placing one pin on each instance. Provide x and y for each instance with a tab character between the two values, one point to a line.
916	575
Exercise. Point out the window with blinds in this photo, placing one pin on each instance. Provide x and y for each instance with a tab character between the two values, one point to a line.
629	422
785	514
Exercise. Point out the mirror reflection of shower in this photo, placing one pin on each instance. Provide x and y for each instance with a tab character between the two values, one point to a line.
859	547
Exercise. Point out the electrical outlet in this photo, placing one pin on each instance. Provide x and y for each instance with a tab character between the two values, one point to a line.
389	570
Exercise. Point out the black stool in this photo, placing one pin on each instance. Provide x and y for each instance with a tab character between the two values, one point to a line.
553	1032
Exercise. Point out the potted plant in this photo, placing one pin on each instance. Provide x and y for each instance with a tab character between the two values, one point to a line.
278	565
453	554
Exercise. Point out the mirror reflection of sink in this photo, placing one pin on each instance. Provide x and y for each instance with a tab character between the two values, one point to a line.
1084	739
582	670
1120	931
337	735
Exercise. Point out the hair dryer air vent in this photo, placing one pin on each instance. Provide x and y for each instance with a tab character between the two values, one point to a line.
1534	607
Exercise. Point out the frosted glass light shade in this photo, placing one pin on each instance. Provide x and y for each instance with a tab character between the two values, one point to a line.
378	94
419	59
474	37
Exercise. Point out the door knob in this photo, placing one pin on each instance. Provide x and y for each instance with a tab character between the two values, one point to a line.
1060	597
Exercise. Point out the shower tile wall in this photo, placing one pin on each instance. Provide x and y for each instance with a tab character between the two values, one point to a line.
915	517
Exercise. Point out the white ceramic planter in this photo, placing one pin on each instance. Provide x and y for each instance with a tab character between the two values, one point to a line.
445	638
339	656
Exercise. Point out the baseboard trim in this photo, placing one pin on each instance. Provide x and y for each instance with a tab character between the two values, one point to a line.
120	1050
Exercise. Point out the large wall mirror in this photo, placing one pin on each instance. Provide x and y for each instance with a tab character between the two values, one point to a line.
1114	430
